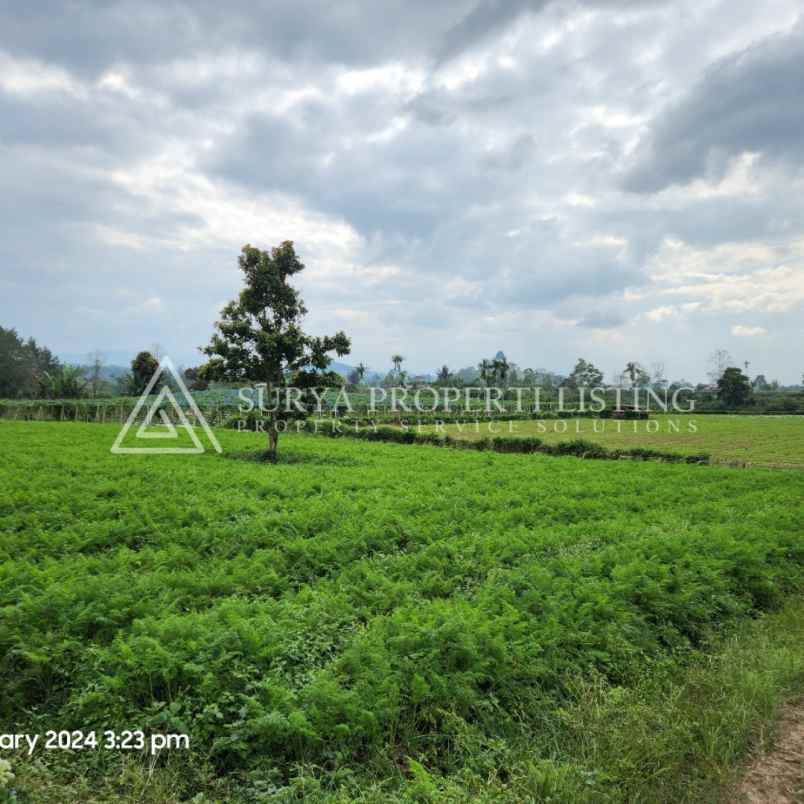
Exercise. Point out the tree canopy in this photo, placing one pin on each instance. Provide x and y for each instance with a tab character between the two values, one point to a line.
143	367
25	366
733	387
585	375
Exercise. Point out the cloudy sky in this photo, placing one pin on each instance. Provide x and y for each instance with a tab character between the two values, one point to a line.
613	180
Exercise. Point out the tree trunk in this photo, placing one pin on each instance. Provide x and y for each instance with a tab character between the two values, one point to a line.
273	441
273	430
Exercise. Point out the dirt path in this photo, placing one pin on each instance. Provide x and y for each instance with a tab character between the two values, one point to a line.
777	777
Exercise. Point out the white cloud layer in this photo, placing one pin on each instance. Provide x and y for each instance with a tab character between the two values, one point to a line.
621	181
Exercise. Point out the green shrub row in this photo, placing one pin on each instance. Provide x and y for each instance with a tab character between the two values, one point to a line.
578	447
101	410
462	417
789	408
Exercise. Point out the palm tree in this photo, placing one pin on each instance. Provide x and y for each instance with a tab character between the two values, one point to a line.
636	375
485	367
501	367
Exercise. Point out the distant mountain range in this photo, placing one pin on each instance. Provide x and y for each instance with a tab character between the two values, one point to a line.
342	368
116	358
117	363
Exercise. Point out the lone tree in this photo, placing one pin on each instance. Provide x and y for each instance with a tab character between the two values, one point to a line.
733	387
143	367
259	339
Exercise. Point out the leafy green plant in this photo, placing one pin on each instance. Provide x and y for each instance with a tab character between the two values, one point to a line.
362	603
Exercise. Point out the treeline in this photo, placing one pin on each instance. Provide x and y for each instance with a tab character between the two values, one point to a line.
729	387
31	371
26	368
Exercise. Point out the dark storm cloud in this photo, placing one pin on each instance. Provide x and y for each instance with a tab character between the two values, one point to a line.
89	36
752	101
484	20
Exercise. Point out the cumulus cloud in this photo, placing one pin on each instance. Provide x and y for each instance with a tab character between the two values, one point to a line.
744	331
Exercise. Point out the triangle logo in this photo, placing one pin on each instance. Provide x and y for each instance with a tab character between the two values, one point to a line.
156	409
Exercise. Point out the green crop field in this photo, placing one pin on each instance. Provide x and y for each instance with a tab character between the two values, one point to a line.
371	621
759	440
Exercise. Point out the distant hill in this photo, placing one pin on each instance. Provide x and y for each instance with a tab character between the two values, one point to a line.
342	368
117	363
110	371
115	358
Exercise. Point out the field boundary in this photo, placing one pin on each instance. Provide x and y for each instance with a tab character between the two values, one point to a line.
525	445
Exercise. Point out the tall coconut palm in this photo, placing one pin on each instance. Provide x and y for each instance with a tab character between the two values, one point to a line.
486	368
637	375
501	368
